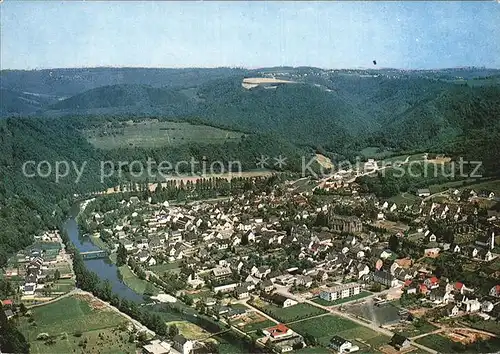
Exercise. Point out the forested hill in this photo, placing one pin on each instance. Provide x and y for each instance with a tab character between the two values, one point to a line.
336	111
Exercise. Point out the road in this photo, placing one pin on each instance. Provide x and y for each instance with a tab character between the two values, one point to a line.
435	195
72	292
334	311
326	179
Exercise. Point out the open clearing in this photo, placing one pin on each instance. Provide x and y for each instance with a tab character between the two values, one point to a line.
190	330
153	134
324	161
62	319
133	282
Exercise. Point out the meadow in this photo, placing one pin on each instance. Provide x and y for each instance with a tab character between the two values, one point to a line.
290	314
73	323
324	328
138	285
154	134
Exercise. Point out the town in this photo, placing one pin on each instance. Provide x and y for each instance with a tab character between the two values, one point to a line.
289	265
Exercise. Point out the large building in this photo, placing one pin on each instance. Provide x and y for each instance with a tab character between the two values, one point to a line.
341	291
350	224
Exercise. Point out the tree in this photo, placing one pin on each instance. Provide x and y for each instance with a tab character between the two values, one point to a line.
172	331
23	308
394	243
212	347
142	337
57	275
121	255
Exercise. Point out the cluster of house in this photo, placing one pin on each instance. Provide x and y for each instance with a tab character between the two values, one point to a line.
8	308
36	264
178	345
458	298
281	338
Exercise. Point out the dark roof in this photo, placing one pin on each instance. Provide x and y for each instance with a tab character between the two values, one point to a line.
241	290
180	339
398	339
338	341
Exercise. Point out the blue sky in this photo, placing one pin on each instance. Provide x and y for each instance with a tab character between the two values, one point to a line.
412	35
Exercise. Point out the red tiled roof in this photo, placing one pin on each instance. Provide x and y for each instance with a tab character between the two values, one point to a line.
459	285
277	330
7	302
434	280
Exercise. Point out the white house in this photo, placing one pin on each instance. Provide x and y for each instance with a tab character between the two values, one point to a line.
183	345
341	345
471	305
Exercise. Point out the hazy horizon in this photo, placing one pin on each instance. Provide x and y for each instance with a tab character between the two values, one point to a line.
327	35
246	68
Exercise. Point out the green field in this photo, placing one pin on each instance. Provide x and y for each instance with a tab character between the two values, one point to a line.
62	319
402	158
190	330
404	198
159	269
257	326
341	301
151	134
324	328
133	282
484	325
490	186
418	328
372	152
292	313
439	342
63	285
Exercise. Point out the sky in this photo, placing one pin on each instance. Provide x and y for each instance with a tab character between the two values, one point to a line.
406	35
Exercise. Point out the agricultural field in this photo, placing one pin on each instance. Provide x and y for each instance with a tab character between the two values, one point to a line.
405	198
76	322
484	325
328	326
490	186
63	285
438	342
159	269
324	161
290	314
138	285
190	330
417	328
257	326
373	152
153	134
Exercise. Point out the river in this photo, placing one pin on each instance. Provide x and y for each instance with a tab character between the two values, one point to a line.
106	270
103	267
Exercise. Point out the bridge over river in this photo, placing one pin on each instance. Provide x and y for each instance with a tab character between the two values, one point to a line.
94	254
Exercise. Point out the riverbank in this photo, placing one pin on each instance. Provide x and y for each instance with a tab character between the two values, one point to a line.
79	321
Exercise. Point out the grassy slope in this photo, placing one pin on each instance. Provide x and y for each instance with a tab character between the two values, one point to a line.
69	315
